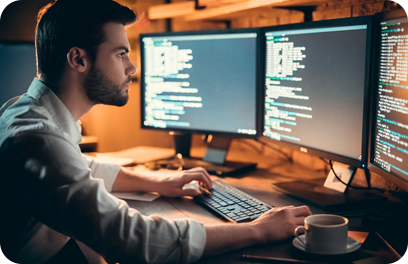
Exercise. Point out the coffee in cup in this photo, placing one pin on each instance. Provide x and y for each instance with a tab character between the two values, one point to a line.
324	234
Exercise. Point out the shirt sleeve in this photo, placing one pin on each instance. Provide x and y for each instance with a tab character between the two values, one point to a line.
105	171
51	180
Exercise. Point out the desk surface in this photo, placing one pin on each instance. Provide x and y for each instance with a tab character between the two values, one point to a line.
259	183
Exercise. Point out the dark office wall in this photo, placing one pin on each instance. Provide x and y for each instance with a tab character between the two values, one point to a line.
19	18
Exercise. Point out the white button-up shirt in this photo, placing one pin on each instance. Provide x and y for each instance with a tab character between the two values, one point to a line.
50	192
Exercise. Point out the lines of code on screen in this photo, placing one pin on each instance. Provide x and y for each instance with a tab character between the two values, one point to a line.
314	82
201	82
391	133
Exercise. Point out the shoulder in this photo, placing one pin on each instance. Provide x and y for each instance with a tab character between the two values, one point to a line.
27	130
24	111
27	117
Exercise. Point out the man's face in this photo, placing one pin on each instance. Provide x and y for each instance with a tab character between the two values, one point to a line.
109	79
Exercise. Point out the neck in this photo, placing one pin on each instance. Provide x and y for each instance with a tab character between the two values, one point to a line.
70	91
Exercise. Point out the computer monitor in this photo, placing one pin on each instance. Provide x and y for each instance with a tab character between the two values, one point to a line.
17	68
204	82
389	134
317	86
389	137
316	98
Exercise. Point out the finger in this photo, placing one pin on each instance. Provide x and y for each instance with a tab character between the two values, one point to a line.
202	170
189	192
298	210
302	211
205	185
198	175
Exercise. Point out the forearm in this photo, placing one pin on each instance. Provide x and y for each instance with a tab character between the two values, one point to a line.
129	181
167	183
223	238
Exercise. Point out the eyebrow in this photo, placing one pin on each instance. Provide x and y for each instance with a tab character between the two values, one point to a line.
127	50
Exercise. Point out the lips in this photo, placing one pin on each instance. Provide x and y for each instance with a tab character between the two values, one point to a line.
129	82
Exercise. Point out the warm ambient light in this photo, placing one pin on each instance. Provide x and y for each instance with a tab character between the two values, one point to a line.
189	12
228	9
171	10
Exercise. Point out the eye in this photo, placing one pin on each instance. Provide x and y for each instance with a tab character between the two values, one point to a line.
121	54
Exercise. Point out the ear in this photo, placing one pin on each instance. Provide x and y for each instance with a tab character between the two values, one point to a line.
77	59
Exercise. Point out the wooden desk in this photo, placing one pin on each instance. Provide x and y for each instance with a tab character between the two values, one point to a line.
259	183
89	144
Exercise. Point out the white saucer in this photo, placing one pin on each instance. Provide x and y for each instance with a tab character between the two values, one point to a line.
352	245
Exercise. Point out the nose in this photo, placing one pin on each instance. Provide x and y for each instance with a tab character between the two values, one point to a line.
131	69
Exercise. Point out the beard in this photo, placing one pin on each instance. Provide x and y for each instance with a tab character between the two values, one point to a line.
101	90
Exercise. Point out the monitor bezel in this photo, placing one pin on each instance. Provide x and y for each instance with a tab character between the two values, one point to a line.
372	166
368	20
258	82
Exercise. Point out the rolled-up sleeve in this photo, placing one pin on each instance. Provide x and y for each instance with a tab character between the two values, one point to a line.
64	196
105	171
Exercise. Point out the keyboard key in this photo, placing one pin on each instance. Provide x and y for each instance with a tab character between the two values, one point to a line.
231	203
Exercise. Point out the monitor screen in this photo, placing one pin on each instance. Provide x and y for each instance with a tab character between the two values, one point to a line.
202	81
17	68
316	88
389	145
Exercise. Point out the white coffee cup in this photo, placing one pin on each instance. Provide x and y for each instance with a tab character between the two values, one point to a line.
324	233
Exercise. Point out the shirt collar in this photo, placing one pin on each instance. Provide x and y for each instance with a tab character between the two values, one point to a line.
59	112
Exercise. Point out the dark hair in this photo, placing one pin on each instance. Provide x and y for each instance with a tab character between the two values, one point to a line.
64	24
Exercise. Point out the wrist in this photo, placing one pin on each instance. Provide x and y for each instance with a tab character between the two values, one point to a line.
258	235
129	181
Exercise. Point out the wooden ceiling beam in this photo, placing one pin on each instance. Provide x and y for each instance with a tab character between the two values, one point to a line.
188	11
232	8
171	10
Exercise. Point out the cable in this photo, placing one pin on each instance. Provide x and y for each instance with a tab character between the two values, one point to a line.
351	186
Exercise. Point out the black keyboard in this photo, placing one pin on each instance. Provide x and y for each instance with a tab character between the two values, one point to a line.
231	203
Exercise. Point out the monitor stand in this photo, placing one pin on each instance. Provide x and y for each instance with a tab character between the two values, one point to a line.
315	193
214	159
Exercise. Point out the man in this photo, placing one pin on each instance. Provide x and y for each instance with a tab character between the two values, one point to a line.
51	194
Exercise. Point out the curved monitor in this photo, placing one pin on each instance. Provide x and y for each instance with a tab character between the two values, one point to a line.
389	137
201	81
317	88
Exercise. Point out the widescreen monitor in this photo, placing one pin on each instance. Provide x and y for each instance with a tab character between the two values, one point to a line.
316	100
204	82
317	88
17	68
